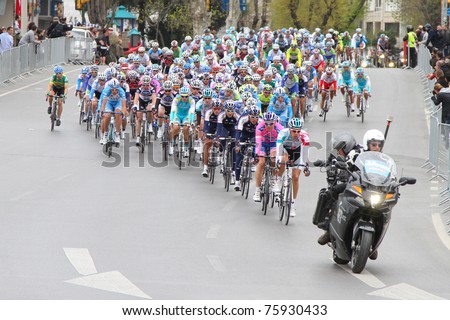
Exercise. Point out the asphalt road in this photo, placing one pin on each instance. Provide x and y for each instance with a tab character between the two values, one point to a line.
77	225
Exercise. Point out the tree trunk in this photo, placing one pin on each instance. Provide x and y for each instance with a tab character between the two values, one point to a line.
234	14
264	19
256	16
97	11
200	18
293	6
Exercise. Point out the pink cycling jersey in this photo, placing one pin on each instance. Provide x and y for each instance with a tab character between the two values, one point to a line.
265	136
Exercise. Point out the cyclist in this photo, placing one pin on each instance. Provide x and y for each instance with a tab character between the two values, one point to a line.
143	56
317	61
280	104
245	131
124	85
79	91
294	55
383	47
293	145
144	99
182	112
266	139
347	44
112	100
96	91
163	104
359	42
226	127
265	97
329	54
155	53
327	82
362	87
311	75
211	121
59	86
346	78
196	93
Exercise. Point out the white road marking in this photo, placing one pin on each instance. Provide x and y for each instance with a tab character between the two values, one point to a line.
440	229
434	188
63	177
404	291
21	196
81	260
365	277
112	281
32	84
216	263
213	231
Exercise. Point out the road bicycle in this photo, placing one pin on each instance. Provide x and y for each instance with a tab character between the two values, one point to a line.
180	145
111	134
214	157
227	162
54	109
266	188
246	168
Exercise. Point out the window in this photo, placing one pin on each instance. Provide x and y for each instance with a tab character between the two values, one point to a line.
377	27
45	8
392	28
369	27
391	5
378	5
371	5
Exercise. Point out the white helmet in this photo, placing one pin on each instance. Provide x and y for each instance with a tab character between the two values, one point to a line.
371	136
358	30
276	46
141	49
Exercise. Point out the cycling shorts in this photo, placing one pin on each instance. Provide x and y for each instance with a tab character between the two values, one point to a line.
181	119
58	91
294	156
267	147
143	104
113	106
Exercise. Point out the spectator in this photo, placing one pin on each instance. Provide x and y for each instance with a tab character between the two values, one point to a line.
29	37
411	42
52	26
445	40
40	34
420	32
60	29
104	45
442	96
17	30
440	78
422	36
6	39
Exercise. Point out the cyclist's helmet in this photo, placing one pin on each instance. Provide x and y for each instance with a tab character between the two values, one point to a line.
308	63
269	116
94	68
253	111
132	74
195	58
229	105
251	102
373	136
146	80
295	123
279	91
58	69
185	91
217	103
290	68
101	77
267	87
329	70
141	69
207	93
168	85
155	67
186	54
174	43
141	49
329	44
121	77
345	64
316	51
196	84
84	70
359	71
256	77
344	141
358	30
155	44
114	84
248	78
169	53
246	95
136	59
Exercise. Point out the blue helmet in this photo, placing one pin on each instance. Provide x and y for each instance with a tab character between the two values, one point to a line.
114	84
229	105
58	69
84	70
270	116
295	123
207	93
345	64
253	111
184	91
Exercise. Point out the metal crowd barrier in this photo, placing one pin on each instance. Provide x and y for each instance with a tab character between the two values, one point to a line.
438	161
19	61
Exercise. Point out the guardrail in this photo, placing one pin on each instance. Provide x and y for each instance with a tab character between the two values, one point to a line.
438	150
19	61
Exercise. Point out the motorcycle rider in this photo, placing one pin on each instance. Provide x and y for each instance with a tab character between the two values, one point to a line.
346	147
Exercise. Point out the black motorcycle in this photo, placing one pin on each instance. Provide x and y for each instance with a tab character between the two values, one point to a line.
361	214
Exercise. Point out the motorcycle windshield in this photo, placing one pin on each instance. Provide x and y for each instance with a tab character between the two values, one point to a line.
376	168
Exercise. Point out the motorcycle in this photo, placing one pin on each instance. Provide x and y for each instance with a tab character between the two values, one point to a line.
360	217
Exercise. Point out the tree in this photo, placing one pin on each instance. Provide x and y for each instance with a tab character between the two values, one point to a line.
310	14
416	12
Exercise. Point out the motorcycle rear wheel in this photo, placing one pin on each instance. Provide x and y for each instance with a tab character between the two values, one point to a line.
362	250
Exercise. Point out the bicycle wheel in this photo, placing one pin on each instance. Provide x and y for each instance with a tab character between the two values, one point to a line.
281	203
243	178
180	151
133	125
347	104
248	178
212	173
266	197
165	143
362	108
53	116
191	148
143	136
288	204
325	111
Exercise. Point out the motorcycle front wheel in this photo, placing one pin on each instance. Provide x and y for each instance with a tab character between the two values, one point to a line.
361	252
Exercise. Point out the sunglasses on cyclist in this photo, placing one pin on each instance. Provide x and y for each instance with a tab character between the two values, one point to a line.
254	117
375	144
295	131
185	96
269	123
207	98
167	90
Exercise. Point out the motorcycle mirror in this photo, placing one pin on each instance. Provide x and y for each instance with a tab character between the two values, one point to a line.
318	163
407	180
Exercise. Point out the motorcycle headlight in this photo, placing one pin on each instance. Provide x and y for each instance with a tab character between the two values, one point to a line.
391	64
364	64
375	199
382	56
